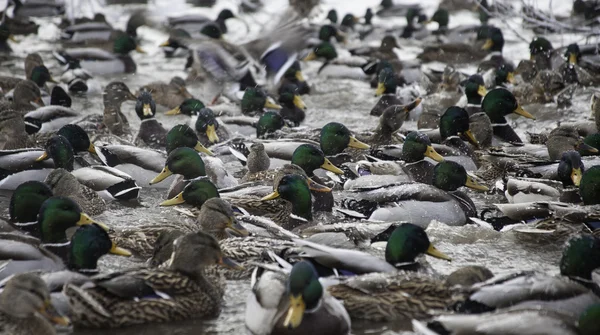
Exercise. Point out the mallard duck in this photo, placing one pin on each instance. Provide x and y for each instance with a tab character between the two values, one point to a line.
115	93
268	124
385	52
389	122
294	188
461	53
26	201
98	33
588	188
497	104
336	137
37	8
574	71
255	101
258	160
5	35
183	135
184	161
292	106
170	94
192	291
187	107
210	130
293	301
24	299
151	132
565	138
63	183
193	23
503	75
452	206
324	50
173	48
293	75
386	88
49	119
479	123
99	61
389	9
26	96
454	130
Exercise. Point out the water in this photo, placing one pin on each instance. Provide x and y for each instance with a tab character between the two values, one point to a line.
343	100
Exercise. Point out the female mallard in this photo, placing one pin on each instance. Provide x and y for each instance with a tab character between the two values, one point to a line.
24	299
452	207
255	101
497	104
210	130
26	96
114	95
564	138
99	61
151	132
390	121
182	290
293	301
170	94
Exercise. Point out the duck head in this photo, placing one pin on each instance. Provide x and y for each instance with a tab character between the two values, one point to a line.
573	53
27	92
442	17
349	21
88	244
394	116
268	123
328	31
183	135
5	33
217	219
335	137
56	215
188	107
539	46
475	89
206	123
288	97
332	16
294	188
175	40
60	150
40	75
580	257
310	158
255	99
407	242
145	107
324	50
124	44
294	73
184	161
116	93
500	102
26	201
77	137
369	16
59	97
494	41
589	188
212	30
195	193
449	176
504	74
387	82
417	146
455	122
304	291
570	168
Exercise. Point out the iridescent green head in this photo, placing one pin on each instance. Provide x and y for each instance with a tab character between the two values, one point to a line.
188	107
407	242
304	291
500	102
40	75
26	201
324	50
411	14
387	82
60	150
475	89
335	138
184	161
580	257
593	140
206	123
442	17
56	215
88	244
255	100
455	122
327	32
588	321
195	193
484	12
450	176
417	146
184	136
294	188
124	44
77	137
570	168
269	123
504	74
212	30
573	53
349	21
589	189
225	14
310	158
332	16
494	41
539	45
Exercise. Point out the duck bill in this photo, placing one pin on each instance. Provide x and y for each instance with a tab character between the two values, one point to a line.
39	102
119	251
380	89
237	228
470	183
174	111
299	76
51	314
356	144
510	77
12	38
295	313
481	90
161	176
471	138
431	153
576	176
311	56
176	200
200	148
434	252
413	105
165	44
140	50
52	80
271	105
92	149
584	148
44	156
327	165
229	263
488	44
316	187
298	102
85	219
211	133
271	196
572	58
147	110
523	113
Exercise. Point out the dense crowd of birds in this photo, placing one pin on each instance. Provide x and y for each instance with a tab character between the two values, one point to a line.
306	253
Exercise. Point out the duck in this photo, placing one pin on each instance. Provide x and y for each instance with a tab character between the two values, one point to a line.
326	51
114	94
573	72
497	104
390	121
589	185
188	107
171	94
210	130
565	138
294	189
99	61
49	119
389	9
24	307
268	124
293	75
386	88
292	106
26	201
258	160
461	53
479	122
183	135
454	206
292	300
98	33
63	183
151	132
193	23
454	130
37	9
173	48
26	96
494	43
192	291
335	138
256	101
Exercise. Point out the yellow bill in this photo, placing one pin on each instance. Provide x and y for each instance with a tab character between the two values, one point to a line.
200	148
481	90
327	165
310	56
298	102
119	251
293	319
147	110
12	38
523	113
271	196
212	134
176	200
299	76
380	89
510	77
488	44
161	176
44	156
471	138
174	111
139	49
356	144
271	105
576	176
431	153
470	183
165	44
92	149
85	219
572	58
432	251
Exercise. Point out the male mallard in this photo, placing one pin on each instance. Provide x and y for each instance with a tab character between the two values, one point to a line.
24	299
310	158
188	107
385	52
589	186
461	53
170	94
386	88
100	61
293	75
193	23
38	8
151	132
479	122
182	290
183	135
292	106
115	93
49	119
324	50
574	71
5	35
183	161
336	137
505	74
26	201
454	130
293	301
389	9
255	101
99	33
269	123
294	188
448	205
494	43
497	104
209	129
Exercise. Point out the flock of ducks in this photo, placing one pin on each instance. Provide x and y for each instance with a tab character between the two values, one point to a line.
292	210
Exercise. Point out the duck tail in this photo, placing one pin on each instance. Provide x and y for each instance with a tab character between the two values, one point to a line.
125	190
64	59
